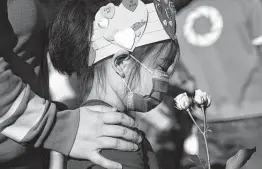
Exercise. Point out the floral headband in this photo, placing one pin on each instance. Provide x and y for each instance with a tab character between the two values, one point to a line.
130	25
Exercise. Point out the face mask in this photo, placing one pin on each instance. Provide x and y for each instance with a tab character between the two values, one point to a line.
140	103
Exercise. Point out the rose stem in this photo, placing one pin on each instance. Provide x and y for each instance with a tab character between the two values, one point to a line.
204	135
192	118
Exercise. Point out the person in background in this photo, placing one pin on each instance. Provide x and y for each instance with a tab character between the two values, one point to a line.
29	121
221	47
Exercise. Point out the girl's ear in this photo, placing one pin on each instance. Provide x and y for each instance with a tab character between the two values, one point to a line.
120	62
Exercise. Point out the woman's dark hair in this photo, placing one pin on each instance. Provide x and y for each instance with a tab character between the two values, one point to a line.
70	36
70	39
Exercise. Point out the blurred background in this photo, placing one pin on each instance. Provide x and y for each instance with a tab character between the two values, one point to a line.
220	53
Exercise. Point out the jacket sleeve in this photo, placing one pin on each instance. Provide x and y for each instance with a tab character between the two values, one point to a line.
24	116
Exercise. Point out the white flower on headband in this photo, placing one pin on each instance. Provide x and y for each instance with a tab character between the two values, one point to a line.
202	98
182	102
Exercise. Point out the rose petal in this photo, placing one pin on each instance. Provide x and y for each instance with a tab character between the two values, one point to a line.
182	101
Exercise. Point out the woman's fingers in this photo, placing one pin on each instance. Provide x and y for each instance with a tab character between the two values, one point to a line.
104	162
122	132
92	135
102	109
112	116
116	143
118	118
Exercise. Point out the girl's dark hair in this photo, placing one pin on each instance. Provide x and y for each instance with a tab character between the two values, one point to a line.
70	38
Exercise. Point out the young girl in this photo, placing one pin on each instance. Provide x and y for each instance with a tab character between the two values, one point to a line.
123	54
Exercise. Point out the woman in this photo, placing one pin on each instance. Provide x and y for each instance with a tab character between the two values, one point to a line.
27	120
130	80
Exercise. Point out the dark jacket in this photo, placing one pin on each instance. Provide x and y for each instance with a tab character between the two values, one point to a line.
26	114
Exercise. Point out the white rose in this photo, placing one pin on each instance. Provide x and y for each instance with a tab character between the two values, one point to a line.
202	98
182	101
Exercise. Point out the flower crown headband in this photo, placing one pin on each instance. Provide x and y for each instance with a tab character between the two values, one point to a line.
130	25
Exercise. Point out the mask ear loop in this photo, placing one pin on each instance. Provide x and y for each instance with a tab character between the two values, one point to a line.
153	73
130	104
126	85
142	64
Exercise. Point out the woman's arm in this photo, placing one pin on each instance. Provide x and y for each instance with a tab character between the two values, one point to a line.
27	118
19	104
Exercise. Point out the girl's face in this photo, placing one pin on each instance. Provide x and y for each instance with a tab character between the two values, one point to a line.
165	62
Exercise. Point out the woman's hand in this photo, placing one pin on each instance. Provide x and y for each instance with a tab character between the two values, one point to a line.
98	130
